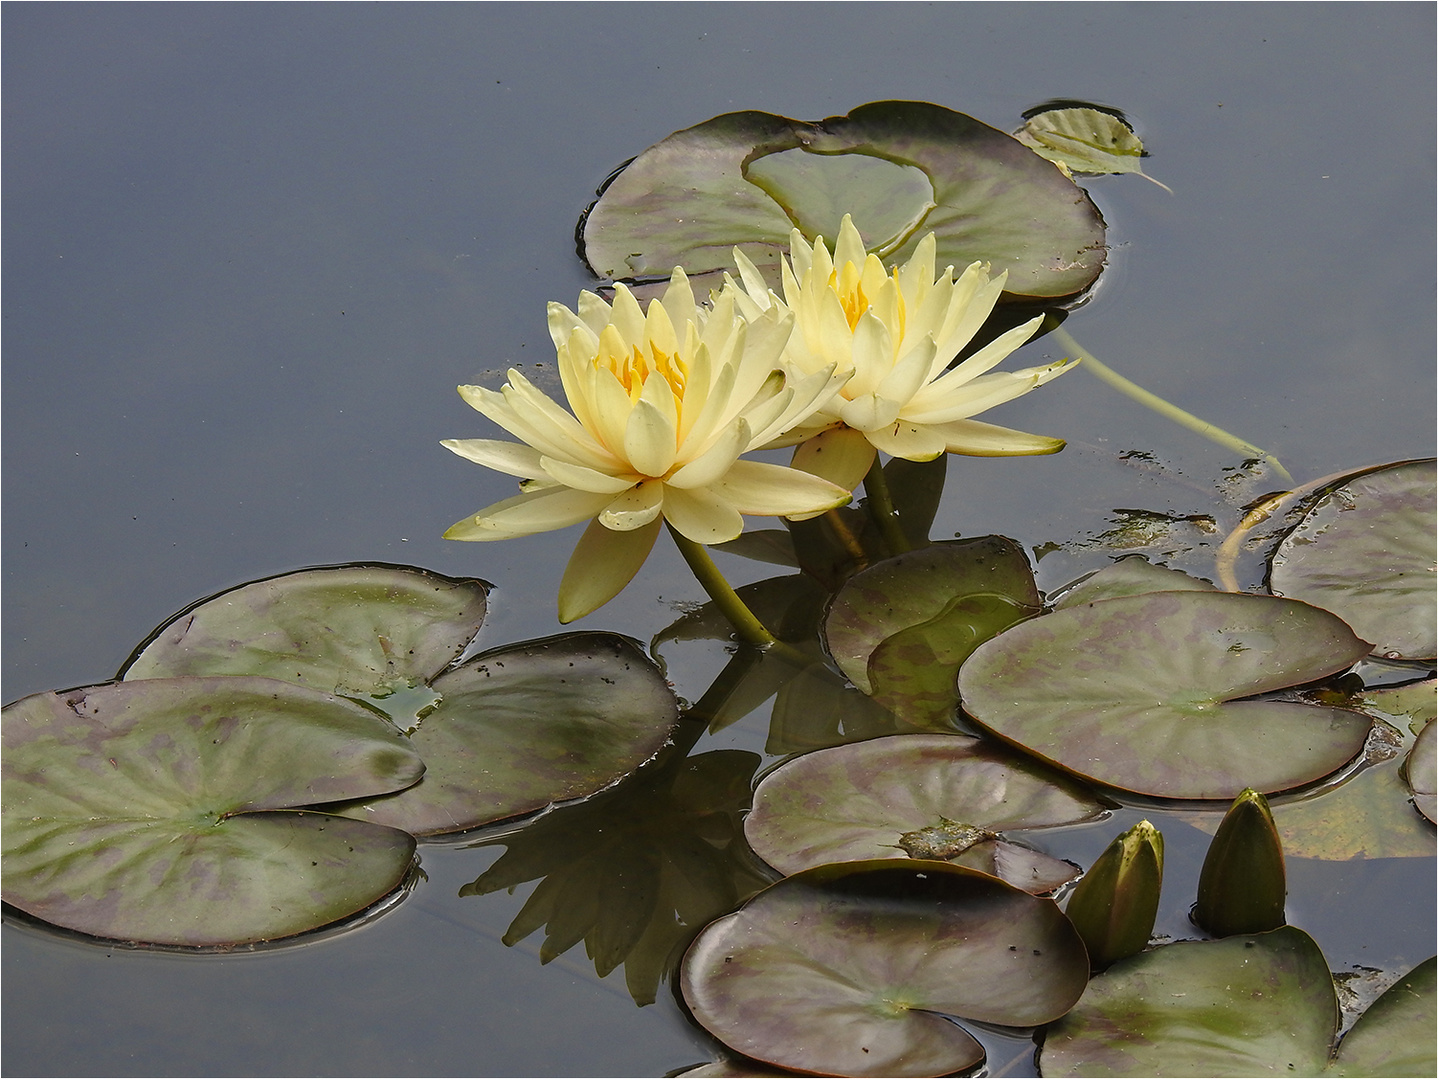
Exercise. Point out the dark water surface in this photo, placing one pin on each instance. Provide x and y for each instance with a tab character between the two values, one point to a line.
250	250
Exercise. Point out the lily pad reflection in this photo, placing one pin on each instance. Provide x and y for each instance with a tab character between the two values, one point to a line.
851	969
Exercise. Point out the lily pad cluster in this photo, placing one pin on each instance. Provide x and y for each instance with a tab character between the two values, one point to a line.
267	757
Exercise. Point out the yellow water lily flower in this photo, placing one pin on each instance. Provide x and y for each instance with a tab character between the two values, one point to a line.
894	334
664	401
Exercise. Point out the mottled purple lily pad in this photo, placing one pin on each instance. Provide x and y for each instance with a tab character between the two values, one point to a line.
946	797
150	811
1395	1036
1365	551
854	969
1420	771
521	728
1140	693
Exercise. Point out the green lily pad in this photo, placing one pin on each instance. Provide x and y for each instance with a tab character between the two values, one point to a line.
942	797
1395	1036
366	630
851	969
902	168
520	728
1084	139
1130	575
1420	771
1365	551
917	589
1252	1005
1139	692
147	811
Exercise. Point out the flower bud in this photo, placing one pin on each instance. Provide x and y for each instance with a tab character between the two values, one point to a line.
1241	887
1114	904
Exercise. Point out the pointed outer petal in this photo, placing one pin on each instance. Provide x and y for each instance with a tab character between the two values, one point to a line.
528	513
766	337
594	311
513	459
929	316
886	302
563	322
973	398
873	352
660	331
721	321
913	442
764	415
748	309
659	393
873	279
583	479
702	515
635	508
754	283
757	487
530	425
916	277
650	440
603	563
978	439
870	413
712	417
813	394
801	254
790	278
816	425
485	401
556	432
951	341
841	455
850	245
679	300
716	461
909	374
575	360
992	353
626	316
698	382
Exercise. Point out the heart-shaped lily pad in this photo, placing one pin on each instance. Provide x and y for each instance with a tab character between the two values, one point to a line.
1395	1036
929	796
850	969
918	591
522	727
901	168
1251	1005
1420	771
363	629
146	810
1365	551
1131	575
1139	692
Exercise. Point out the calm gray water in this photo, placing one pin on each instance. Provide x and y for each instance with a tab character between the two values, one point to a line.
250	250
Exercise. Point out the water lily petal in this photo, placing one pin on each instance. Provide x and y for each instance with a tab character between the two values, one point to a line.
603	563
869	412
650	439
626	316
990	355
635	507
583	479
716	461
913	442
873	355
976	438
757	487
977	395
702	516
679	300
594	311
909	374
514	459
840	455
849	246
660	329
530	512
563	322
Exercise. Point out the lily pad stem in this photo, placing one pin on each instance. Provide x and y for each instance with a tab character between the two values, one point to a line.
882	511
745	622
1162	407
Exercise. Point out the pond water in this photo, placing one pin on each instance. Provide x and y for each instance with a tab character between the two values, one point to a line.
250	251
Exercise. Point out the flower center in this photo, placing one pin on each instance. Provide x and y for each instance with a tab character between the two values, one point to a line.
632	367
848	284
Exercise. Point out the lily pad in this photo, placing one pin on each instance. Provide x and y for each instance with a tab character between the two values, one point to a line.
915	589
851	969
1084	139
363	629
149	811
1395	1036
1420	771
1130	575
942	797
1252	1005
520	728
1365	551
1139	692
902	168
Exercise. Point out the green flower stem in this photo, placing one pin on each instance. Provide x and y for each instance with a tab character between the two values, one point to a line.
1164	408
882	511
845	535
746	624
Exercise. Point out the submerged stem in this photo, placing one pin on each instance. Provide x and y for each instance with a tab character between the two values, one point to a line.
882	511
746	624
1164	408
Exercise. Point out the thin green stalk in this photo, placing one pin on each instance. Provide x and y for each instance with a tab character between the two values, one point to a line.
745	622
845	535
882	511
1164	408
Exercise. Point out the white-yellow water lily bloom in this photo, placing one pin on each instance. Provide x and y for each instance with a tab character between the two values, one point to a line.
664	400
894	334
